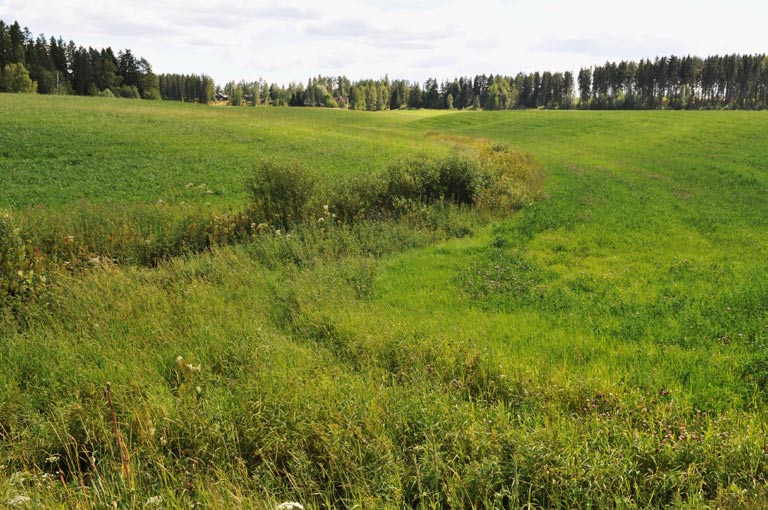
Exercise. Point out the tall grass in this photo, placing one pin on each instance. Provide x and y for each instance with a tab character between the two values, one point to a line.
261	387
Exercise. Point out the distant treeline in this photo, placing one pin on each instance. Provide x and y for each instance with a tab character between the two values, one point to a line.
190	88
729	81
548	90
29	64
51	66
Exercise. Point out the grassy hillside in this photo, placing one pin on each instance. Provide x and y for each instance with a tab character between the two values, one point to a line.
58	150
604	347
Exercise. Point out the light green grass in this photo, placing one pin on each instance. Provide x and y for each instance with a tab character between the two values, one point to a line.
56	151
602	348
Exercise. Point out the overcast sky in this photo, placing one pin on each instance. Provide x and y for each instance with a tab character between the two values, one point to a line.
405	39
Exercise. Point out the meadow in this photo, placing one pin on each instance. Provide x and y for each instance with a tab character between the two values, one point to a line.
597	342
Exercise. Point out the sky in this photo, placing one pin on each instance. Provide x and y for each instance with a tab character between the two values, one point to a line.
413	40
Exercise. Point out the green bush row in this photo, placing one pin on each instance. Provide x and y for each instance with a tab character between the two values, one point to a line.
497	178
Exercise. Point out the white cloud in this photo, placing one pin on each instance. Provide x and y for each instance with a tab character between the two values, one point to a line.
412	39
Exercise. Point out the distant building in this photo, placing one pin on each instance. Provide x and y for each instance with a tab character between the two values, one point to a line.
221	97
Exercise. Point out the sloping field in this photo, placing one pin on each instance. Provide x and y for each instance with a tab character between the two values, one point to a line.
58	150
602	347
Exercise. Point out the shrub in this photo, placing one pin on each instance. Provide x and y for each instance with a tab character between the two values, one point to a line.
15	78
511	179
497	179
127	91
426	180
355	197
16	275
280	193
459	180
11	250
404	187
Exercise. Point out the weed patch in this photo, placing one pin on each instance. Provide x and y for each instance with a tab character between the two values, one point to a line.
502	278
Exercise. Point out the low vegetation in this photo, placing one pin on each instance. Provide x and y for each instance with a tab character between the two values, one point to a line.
448	330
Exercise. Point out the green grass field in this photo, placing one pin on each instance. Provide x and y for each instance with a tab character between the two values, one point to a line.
56	151
602	347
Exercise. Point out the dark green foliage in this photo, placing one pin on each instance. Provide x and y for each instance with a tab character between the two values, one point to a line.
280	192
58	68
730	81
12	255
127	92
190	88
283	195
354	197
20	278
424	180
727	81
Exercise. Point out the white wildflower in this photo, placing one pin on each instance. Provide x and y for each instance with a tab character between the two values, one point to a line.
154	502
18	500
290	505
194	368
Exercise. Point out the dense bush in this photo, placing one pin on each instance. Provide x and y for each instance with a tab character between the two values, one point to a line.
17	276
15	78
280	192
494	178
11	254
127	92
511	181
454	179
